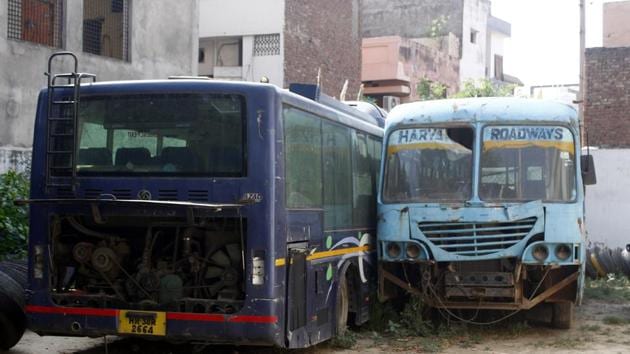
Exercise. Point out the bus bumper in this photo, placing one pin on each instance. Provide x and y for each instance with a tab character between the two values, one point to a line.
242	329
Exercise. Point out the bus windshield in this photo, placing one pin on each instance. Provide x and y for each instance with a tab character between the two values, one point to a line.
162	134
523	163
428	165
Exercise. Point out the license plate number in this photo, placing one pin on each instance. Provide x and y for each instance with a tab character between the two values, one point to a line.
142	323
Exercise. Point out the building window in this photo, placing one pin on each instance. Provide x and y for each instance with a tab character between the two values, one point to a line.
106	28
37	21
267	44
228	52
498	67
473	35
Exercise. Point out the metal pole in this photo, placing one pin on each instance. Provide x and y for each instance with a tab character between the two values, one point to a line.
582	94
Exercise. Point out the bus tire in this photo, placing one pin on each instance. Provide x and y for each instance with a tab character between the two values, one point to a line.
562	315
341	306
11	333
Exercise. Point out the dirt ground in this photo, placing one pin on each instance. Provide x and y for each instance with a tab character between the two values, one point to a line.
600	327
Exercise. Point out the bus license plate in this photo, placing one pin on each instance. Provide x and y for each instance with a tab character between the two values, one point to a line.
142	322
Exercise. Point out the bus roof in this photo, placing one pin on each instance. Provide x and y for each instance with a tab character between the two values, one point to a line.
482	109
340	112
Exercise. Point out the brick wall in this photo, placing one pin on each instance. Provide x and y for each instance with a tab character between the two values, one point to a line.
323	34
607	106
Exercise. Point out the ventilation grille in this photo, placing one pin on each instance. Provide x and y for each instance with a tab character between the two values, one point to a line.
121	193
167	194
266	44
198	195
93	193
476	239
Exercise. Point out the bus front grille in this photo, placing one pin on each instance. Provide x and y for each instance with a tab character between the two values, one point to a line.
474	238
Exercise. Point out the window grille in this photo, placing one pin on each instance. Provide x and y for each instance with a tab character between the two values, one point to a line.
267	44
106	28
37	21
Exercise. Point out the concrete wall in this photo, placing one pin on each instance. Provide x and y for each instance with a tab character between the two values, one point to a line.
608	96
242	19
608	202
410	18
220	18
496	47
324	35
475	18
616	26
163	42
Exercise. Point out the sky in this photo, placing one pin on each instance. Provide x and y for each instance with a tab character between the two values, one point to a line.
545	44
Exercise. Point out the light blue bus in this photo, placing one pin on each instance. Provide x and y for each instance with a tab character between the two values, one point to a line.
480	205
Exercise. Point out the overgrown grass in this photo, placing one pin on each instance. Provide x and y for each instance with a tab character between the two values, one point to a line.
611	289
615	320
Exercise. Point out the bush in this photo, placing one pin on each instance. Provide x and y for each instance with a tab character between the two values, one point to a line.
13	219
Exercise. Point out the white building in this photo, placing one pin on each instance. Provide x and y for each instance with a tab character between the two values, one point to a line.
242	40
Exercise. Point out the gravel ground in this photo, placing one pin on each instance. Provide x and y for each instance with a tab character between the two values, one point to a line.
593	332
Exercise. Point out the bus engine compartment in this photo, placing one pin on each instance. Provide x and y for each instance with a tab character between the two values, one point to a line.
148	264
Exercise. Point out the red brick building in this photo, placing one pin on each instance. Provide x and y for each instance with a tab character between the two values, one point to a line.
607	104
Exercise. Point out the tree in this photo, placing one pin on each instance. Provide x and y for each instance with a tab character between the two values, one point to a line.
484	88
430	90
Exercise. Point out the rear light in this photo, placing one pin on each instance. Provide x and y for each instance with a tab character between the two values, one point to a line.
258	270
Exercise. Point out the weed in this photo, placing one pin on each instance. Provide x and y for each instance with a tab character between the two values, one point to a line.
591	328
614	320
346	340
612	289
431	345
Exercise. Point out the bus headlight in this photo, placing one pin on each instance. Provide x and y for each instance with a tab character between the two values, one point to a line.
563	252
413	251
393	250
540	252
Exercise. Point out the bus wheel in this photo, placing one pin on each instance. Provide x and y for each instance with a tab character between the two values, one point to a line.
341	308
562	315
10	334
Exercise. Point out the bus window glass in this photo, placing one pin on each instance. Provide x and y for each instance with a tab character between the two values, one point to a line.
363	200
337	176
303	159
428	165
162	134
523	163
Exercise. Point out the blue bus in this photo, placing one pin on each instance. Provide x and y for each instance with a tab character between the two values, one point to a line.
481	206
200	211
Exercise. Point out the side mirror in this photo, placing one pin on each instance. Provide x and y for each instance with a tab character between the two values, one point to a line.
588	170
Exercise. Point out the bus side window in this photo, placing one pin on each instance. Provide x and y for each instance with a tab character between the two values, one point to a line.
303	159
363	181
336	149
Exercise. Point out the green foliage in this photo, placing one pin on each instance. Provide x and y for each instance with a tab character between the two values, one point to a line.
412	320
13	219
430	90
346	340
484	88
615	320
611	289
437	25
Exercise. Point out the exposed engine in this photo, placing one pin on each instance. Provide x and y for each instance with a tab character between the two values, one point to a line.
142	264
